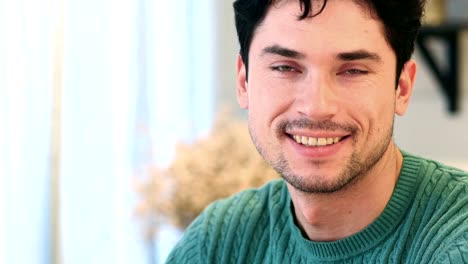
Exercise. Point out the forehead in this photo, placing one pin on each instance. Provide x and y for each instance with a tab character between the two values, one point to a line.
342	25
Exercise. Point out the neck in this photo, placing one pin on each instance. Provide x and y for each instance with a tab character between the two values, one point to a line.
334	216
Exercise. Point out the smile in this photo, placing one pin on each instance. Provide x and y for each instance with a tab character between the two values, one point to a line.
316	142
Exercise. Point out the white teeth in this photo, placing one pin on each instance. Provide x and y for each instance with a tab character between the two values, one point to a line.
298	139
322	142
311	141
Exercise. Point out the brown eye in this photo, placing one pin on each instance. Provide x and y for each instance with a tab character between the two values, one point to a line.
283	68
355	72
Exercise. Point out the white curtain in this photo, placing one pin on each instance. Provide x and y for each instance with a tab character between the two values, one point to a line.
127	79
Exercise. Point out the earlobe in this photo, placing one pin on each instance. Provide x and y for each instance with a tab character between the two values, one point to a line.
242	89
405	87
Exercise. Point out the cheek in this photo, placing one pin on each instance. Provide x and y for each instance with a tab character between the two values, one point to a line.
372	108
381	115
268	100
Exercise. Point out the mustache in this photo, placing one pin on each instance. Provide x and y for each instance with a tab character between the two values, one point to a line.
317	125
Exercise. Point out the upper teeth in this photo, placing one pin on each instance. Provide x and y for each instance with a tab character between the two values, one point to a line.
311	141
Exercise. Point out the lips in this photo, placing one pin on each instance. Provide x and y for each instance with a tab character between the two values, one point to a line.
318	147
316	141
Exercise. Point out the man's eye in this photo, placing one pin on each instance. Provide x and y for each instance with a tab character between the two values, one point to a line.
355	72
283	68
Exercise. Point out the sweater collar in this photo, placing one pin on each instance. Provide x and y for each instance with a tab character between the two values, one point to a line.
377	231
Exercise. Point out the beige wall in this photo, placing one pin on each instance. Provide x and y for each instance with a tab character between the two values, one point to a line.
427	129
226	54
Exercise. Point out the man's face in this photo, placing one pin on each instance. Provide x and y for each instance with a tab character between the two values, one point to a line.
321	94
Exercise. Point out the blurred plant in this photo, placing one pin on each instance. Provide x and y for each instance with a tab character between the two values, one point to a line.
216	166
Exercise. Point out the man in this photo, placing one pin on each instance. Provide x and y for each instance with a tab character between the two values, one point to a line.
322	82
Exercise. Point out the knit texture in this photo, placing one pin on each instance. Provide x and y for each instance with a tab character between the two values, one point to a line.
425	221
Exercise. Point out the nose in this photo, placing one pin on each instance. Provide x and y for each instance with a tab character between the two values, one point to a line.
316	98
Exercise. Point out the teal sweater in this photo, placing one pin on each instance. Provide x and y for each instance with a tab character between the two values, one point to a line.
425	221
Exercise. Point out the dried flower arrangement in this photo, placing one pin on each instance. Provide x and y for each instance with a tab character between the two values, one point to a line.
216	166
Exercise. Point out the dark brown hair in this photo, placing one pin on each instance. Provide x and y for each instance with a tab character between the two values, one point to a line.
401	19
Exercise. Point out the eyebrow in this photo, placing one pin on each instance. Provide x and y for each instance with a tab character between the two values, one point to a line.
359	55
282	51
344	56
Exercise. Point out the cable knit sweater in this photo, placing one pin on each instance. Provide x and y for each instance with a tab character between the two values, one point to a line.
425	221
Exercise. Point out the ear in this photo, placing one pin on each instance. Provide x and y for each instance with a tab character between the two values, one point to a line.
405	87
242	89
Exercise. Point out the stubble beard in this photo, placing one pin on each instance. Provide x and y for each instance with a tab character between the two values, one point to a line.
355	168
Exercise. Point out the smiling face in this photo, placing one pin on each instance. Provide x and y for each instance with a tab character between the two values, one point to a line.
321	94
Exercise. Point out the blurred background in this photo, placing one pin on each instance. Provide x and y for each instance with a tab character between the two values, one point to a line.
94	95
